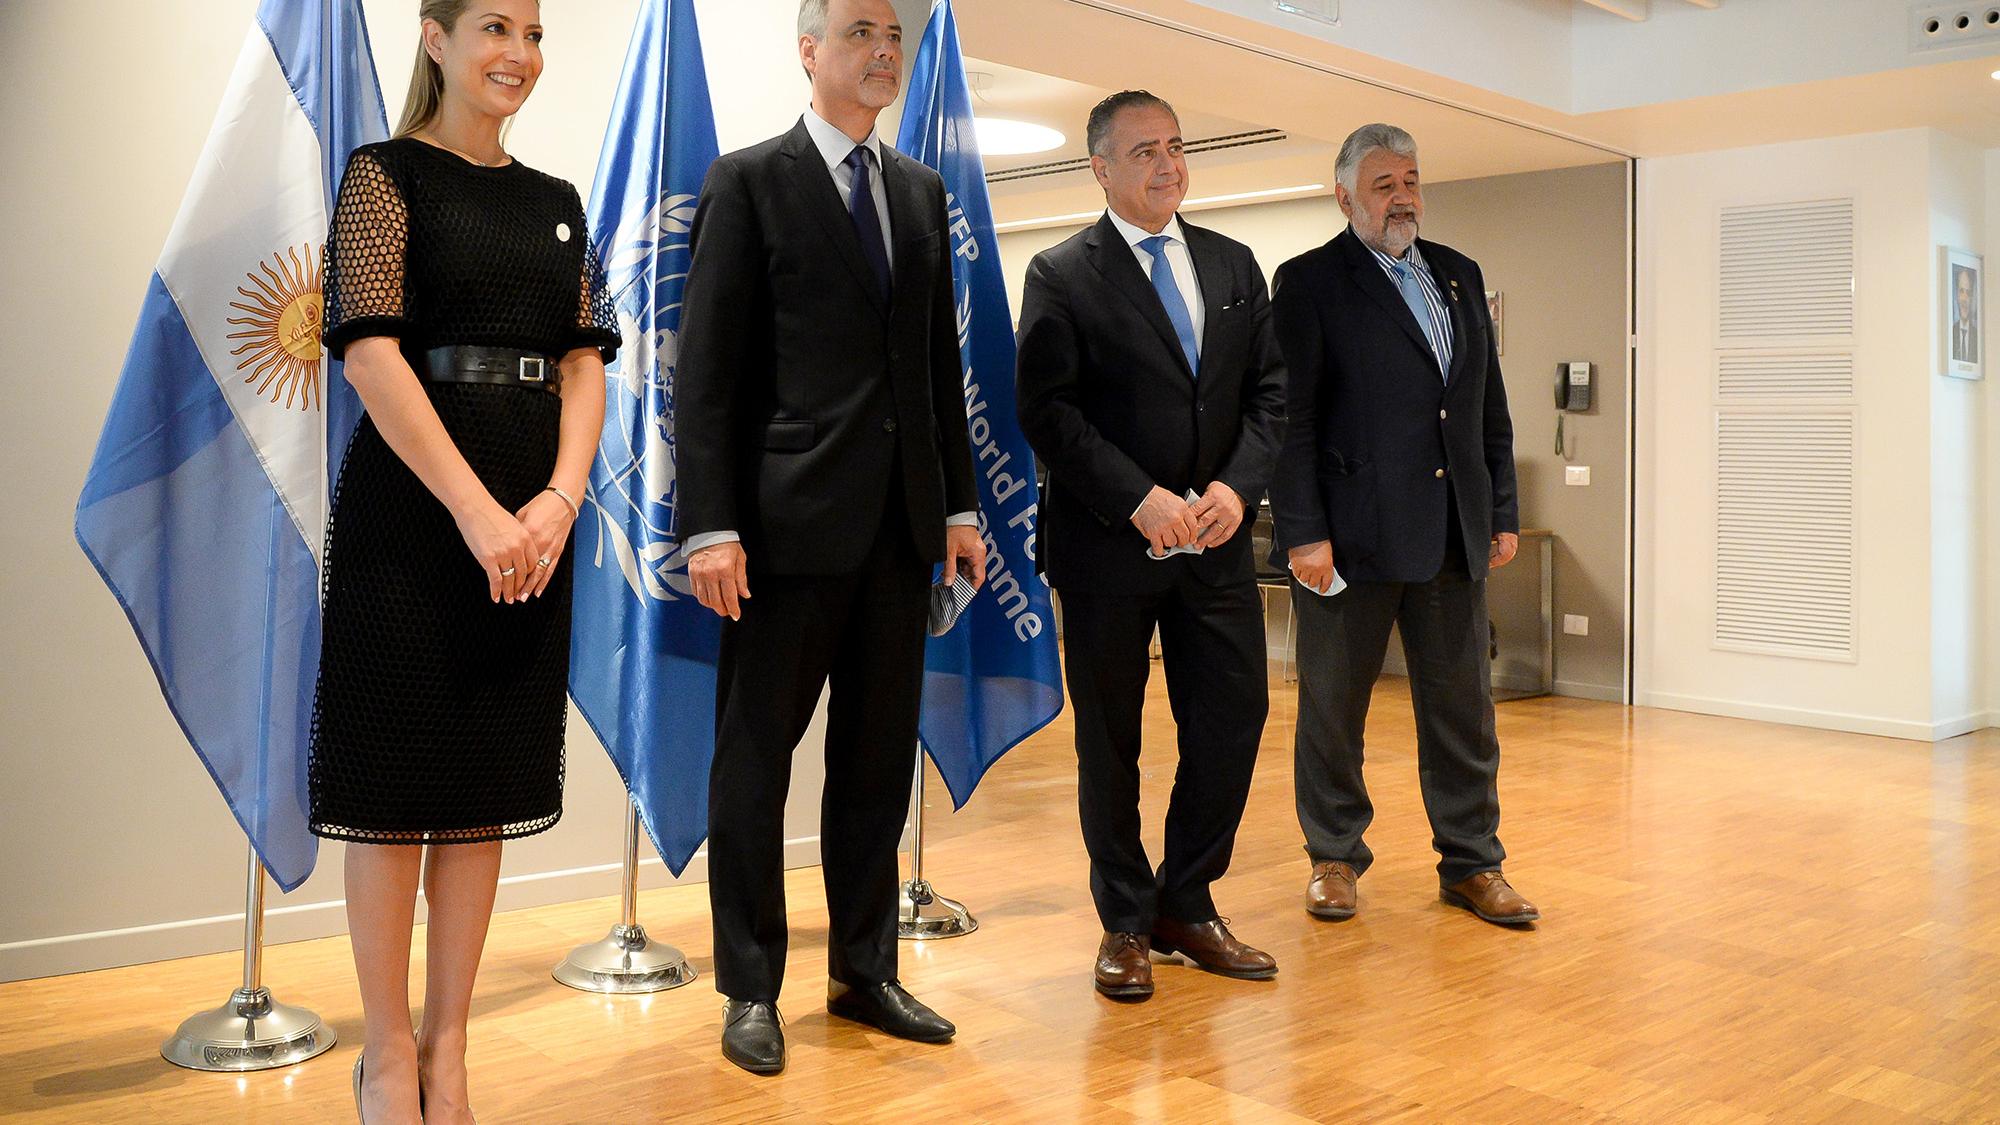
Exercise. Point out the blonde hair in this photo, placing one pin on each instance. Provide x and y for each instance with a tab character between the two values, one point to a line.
426	95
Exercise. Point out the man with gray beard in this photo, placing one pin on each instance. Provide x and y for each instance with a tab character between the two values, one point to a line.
1394	494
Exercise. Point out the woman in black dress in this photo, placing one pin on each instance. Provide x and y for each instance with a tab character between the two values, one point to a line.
462	291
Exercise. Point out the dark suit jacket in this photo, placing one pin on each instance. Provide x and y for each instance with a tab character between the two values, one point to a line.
1372	423
1106	399
798	393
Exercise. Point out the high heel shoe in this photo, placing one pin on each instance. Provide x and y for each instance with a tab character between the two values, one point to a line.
420	1085
358	1114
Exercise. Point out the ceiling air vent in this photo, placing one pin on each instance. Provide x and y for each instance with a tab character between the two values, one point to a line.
1937	27
1192	148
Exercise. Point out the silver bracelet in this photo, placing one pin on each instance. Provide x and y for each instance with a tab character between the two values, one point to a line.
574	511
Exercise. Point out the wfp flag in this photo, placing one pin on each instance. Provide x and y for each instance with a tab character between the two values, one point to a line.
206	504
643	650
994	679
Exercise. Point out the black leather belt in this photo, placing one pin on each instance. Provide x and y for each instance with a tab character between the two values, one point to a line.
506	367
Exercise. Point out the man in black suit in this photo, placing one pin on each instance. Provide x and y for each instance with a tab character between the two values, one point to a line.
1396	479
824	463
1148	373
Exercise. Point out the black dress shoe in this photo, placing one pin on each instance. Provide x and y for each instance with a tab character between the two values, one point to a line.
887	1007
753	1036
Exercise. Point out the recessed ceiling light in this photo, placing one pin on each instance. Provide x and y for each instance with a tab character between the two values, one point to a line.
1996	76
1000	136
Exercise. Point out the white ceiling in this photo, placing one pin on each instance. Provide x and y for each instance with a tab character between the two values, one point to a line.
1687	79
1217	90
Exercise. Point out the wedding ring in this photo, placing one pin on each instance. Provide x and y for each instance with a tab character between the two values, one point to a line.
508	573
542	563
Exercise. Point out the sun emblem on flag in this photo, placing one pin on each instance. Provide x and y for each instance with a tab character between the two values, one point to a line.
280	349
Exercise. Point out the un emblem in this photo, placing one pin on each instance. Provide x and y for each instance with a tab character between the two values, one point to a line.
632	485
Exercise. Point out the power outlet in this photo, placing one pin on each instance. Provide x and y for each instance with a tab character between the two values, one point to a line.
1576	625
1576	474
1937	27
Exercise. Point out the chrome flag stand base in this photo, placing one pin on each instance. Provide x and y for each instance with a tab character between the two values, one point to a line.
921	913
626	962
251	1031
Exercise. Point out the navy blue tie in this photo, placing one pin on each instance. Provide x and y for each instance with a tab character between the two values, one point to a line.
1170	296
868	224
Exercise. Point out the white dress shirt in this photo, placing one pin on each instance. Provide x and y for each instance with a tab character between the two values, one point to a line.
834	147
1183	267
1177	257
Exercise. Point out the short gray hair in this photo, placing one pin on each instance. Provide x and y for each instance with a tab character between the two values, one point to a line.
1361	142
812	18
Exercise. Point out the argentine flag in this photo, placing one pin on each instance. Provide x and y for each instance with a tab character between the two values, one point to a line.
995	678
642	649
206	503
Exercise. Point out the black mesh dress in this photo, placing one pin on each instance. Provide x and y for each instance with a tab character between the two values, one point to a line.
440	713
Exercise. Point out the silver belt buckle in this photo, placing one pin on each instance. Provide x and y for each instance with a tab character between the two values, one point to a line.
534	369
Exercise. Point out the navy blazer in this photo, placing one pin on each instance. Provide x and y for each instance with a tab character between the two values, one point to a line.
1106	399
1376	439
804	400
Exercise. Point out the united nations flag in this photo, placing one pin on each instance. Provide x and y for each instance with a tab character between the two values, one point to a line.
643	650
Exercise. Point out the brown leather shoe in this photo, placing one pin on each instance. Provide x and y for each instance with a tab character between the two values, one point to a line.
1124	972
1331	892
1488	896
1209	945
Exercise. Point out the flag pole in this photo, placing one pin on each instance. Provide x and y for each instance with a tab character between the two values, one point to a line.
626	962
251	1031
921	913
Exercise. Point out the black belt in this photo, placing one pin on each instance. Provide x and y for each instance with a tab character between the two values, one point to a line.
506	367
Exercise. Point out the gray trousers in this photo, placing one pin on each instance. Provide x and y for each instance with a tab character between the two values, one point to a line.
1342	641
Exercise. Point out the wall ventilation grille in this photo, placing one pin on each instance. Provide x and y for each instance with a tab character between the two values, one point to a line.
1745	374
1784	543
1788	271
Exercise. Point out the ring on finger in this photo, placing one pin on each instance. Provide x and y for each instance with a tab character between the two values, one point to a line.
542	563
507	573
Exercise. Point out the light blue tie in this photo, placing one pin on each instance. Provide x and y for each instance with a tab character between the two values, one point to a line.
1170	296
1413	296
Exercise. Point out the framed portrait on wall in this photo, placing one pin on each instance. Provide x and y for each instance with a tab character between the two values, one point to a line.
1963	326
1495	312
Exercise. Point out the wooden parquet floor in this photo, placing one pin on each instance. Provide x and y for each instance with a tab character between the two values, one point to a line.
1744	922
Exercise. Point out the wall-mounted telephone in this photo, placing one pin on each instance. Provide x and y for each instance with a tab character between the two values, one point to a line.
1575	383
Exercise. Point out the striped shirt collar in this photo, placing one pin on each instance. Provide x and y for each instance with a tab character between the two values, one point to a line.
1389	265
1436	325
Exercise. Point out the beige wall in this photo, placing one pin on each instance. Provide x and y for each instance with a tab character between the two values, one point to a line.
1555	244
114	845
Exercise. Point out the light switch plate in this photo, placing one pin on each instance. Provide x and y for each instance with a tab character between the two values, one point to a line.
1576	625
1576	474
